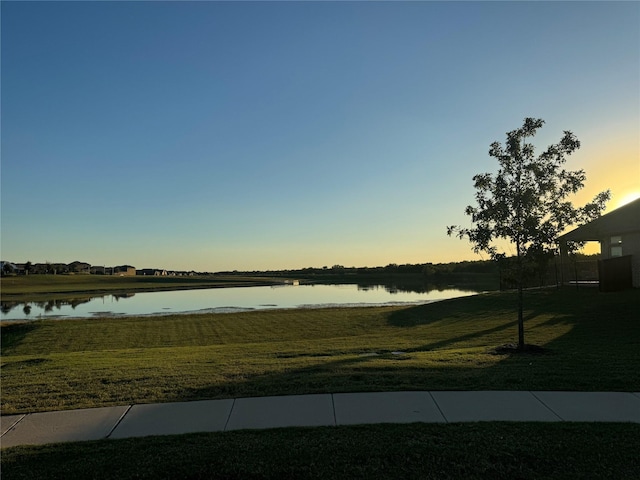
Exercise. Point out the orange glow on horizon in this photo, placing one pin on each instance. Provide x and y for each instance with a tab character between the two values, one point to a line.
610	162
627	198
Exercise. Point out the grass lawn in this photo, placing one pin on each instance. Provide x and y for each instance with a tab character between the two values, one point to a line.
417	451
45	287
591	342
591	339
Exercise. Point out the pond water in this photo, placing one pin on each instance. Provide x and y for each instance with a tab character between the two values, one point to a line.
220	300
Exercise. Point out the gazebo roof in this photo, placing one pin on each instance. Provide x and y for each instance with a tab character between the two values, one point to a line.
625	219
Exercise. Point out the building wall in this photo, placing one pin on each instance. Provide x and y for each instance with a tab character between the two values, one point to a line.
630	246
633	248
124	271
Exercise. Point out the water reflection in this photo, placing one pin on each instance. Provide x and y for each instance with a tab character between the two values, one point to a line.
220	300
59	304
394	288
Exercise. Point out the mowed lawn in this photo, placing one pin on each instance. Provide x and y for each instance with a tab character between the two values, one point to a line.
481	451
591	342
29	288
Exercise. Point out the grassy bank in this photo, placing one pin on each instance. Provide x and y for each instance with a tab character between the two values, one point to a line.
46	287
591	340
417	451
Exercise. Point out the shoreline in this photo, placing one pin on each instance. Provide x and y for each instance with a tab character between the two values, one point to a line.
228	310
100	291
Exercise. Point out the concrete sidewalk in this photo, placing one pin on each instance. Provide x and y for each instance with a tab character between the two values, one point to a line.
317	410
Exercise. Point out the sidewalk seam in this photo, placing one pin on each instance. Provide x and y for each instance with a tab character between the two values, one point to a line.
547	406
119	421
438	407
333	405
226	424
15	423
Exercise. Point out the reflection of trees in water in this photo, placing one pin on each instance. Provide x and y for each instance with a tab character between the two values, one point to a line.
79	301
118	296
49	305
469	284
395	288
6	307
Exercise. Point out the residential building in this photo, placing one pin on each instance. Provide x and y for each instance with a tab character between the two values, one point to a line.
619	235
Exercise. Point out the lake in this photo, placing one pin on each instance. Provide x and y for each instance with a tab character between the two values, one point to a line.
221	300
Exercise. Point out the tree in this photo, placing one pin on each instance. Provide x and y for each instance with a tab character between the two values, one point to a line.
525	203
7	268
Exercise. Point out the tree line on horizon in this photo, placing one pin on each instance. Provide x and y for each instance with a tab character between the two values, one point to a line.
535	268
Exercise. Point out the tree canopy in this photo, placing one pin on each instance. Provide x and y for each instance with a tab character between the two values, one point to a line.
526	203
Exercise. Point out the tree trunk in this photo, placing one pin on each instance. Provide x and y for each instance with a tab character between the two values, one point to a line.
520	299
519	245
520	316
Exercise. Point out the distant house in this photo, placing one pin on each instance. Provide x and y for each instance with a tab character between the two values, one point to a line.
124	270
619	235
49	268
79	267
22	268
154	272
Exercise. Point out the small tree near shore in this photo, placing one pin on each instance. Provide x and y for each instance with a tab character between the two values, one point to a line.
525	203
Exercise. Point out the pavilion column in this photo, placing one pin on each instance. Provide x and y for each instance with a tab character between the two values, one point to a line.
564	262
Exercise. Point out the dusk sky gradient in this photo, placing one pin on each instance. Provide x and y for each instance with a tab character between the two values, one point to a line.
269	135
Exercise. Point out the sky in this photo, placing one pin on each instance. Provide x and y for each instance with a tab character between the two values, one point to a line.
215	136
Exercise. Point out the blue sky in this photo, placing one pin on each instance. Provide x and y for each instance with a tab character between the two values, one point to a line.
240	135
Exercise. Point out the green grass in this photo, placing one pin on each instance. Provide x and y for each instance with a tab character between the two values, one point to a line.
417	451
592	341
45	287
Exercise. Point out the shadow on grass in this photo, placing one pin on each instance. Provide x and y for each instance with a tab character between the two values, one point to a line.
13	334
559	303
500	451
598	353
434	312
593	345
461	338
